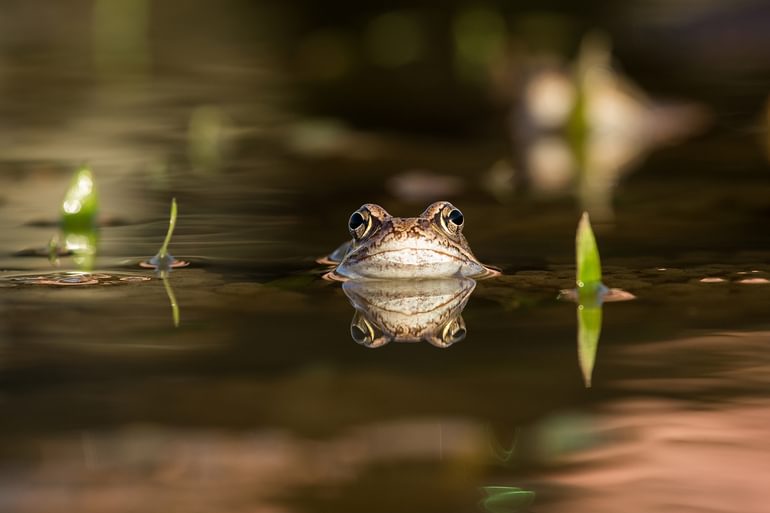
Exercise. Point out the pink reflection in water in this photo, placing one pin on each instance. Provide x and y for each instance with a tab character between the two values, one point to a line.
670	456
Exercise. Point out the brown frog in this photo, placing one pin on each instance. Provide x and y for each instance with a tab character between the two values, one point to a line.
386	247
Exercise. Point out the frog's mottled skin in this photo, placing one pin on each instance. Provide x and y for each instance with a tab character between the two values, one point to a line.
412	247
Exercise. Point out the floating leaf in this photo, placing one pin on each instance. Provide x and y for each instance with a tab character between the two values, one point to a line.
81	204
589	267
506	499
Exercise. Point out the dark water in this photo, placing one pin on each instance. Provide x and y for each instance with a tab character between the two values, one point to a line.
260	400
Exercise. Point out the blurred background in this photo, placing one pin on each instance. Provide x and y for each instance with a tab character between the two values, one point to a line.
270	123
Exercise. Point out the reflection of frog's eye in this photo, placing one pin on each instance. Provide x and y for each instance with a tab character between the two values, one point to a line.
359	335
365	333
452	220
360	223
454	331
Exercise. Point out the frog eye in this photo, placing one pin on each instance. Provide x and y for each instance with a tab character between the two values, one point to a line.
360	223
452	220
456	217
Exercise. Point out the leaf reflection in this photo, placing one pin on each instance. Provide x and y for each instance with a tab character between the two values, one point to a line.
171	300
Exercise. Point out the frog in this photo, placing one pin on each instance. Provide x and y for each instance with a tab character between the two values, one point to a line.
384	247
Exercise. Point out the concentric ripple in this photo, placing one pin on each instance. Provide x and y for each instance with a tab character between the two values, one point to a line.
70	279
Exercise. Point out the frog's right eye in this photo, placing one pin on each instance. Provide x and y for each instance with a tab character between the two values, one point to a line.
360	223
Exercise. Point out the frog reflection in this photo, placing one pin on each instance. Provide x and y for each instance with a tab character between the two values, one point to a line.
408	311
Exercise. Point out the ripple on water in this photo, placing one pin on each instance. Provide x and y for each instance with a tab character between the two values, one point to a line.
149	264
69	279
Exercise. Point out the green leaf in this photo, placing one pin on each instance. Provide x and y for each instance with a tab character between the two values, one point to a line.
81	203
506	499
589	328
589	267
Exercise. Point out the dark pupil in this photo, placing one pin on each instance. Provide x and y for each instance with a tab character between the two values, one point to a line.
356	220
456	217
459	334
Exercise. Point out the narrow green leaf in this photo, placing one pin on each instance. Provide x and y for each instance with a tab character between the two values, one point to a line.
589	267
81	204
171	225
589	328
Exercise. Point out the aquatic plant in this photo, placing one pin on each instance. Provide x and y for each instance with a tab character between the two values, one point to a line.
78	222
590	290
589	266
81	203
590	295
506	499
163	262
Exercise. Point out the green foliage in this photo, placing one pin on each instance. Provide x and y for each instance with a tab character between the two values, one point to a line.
589	267
163	261
78	221
81	203
590	292
171	225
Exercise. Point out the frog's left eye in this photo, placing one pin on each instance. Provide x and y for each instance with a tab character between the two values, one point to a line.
360	223
452	220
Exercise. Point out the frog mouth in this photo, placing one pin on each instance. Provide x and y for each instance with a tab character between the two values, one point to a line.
414	251
409	251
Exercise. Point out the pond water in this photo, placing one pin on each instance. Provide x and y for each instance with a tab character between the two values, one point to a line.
260	398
